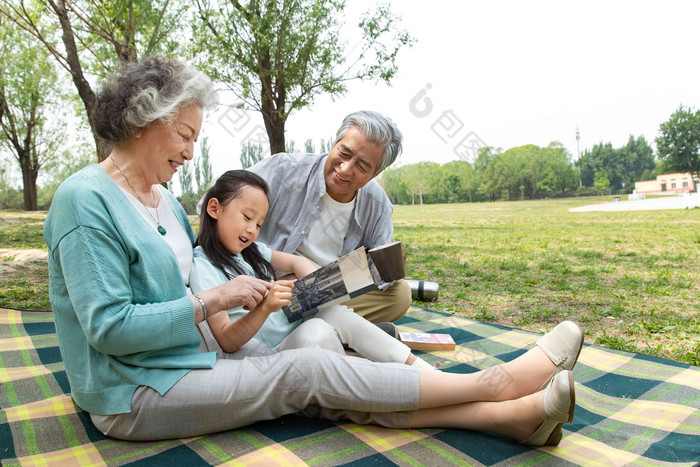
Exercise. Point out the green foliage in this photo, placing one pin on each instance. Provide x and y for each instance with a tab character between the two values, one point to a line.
10	197
524	172
421	179
309	146
290	147
189	202
202	167
391	180
88	38
325	145
185	177
110	31
28	94
631	163
251	154
679	141
277	57
601	182
466	184
59	169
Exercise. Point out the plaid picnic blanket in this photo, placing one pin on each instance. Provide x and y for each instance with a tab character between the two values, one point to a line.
631	409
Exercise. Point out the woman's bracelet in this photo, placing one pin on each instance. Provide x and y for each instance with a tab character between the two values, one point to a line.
201	303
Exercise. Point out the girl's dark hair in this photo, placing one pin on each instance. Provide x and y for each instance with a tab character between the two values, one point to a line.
227	188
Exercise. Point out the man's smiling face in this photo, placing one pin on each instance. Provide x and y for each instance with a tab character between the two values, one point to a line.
351	164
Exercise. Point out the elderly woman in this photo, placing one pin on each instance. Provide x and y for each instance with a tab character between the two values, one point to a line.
120	250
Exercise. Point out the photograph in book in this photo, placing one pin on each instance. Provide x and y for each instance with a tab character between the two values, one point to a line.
335	283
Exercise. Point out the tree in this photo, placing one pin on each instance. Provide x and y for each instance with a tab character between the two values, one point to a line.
10	197
278	56
309	146
325	145
202	167
28	93
637	157
601	181
418	178
558	174
60	168
679	142
290	147
624	165
465	180
593	160
185	176
251	154
484	170
392	181
507	171
95	36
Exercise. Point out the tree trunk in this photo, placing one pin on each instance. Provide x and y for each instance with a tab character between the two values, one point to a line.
272	105
275	133
84	90
28	181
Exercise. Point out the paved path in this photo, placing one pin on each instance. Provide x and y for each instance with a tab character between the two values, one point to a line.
653	204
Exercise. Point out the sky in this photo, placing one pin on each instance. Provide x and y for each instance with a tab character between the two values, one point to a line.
509	73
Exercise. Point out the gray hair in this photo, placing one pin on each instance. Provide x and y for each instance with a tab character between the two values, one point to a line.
379	130
151	90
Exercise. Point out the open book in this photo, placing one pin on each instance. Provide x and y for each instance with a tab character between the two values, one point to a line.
352	275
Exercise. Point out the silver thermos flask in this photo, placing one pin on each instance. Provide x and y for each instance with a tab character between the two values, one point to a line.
423	290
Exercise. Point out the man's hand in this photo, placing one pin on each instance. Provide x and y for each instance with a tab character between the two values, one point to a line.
403	250
243	291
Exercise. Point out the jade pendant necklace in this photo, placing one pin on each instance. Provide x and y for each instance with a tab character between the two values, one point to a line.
161	229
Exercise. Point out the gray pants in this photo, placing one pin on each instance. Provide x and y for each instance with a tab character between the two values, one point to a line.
256	383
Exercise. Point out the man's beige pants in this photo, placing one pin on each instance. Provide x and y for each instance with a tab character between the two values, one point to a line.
378	307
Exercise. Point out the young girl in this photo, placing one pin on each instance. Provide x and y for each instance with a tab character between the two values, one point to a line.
233	211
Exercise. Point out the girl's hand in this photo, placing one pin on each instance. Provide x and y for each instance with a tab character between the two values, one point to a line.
298	266
280	295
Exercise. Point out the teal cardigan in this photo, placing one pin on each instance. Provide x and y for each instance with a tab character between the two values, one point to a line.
122	314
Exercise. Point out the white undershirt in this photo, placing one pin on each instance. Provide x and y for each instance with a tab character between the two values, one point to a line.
324	242
175	236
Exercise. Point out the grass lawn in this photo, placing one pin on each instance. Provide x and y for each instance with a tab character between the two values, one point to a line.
630	279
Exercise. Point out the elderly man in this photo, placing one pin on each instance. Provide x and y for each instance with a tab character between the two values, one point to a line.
325	206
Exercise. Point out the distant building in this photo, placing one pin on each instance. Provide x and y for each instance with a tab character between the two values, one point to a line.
668	184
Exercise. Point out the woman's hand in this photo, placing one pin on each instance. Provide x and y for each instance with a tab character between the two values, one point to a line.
244	291
280	295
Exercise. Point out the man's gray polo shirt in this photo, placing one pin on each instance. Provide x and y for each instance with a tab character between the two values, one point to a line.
296	185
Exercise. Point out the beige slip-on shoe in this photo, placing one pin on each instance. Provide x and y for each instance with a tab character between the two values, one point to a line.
559	402
562	345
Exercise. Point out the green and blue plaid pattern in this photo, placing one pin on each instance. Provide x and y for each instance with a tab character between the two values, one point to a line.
631	410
